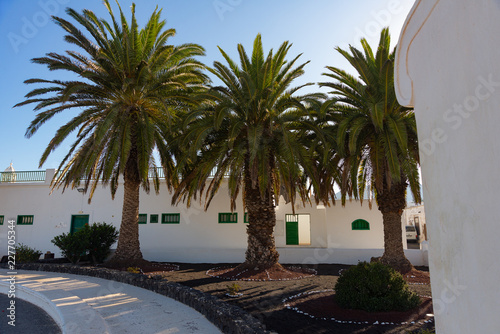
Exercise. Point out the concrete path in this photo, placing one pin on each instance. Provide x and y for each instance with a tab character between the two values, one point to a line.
83	304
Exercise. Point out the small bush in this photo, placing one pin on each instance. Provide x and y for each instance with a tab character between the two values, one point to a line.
233	289
100	238
26	254
94	241
73	246
374	287
134	270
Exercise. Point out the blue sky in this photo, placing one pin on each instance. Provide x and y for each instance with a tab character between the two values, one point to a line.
314	27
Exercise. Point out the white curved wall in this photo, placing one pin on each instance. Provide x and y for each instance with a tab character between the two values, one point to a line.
448	68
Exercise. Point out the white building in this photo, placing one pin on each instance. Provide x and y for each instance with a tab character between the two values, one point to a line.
316	234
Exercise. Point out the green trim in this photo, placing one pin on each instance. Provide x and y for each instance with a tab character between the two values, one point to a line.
1	220
170	218
245	218
143	218
360	225
153	218
228	217
25	219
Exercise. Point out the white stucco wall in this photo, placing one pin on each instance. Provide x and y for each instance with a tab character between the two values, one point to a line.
199	237
448	69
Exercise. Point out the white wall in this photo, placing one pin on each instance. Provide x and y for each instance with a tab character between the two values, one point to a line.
340	230
199	237
448	69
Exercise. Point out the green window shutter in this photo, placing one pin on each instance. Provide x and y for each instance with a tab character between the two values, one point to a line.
1	220
143	218
292	229
245	219
360	224
292	233
25	219
153	219
228	218
170	218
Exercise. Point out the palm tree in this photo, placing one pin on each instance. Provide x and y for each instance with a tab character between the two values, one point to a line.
249	137
377	139
128	89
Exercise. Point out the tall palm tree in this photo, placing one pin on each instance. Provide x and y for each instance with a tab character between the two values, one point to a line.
377	139
128	89
249	137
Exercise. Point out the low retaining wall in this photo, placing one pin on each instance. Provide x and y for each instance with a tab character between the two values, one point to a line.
228	318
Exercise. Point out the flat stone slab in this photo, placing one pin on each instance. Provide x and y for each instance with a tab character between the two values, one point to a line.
83	304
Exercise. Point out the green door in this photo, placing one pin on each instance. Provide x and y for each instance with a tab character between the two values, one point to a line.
78	222
292	231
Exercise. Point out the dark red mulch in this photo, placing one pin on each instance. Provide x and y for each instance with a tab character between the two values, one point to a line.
322	305
158	268
147	267
275	273
416	276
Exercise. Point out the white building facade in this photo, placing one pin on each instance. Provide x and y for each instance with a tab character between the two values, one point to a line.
314	234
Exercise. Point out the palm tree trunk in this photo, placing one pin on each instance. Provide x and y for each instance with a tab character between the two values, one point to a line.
261	250
128	249
392	203
394	255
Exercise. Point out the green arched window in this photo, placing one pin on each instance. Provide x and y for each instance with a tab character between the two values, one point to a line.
360	224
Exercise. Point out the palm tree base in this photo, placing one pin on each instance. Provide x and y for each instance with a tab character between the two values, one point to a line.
398	263
251	272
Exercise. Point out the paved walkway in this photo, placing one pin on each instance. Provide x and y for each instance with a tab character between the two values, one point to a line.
83	304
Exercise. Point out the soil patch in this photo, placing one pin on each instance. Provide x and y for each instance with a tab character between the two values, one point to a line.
275	273
154	268
416	276
147	267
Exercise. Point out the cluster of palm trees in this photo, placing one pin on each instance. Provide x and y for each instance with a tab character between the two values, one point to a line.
135	97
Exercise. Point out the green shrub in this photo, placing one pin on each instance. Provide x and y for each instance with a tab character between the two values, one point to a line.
374	287
73	246
100	237
94	241
26	254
